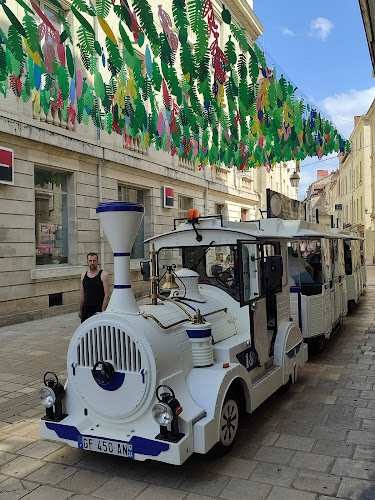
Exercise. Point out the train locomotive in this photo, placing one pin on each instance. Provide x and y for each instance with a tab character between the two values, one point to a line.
172	373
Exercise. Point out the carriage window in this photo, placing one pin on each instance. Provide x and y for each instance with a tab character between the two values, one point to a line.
362	252
312	252
250	272
335	258
348	258
326	262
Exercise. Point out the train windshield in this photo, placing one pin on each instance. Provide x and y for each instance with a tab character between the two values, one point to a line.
216	265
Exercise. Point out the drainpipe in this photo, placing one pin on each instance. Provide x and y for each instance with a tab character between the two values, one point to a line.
101	232
206	200
100	163
206	193
261	187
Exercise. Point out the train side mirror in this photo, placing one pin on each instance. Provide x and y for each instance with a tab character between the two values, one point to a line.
145	270
274	266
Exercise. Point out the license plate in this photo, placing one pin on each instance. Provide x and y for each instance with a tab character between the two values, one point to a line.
110	446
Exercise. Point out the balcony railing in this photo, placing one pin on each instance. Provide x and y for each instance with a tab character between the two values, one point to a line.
54	117
222	174
186	164
134	144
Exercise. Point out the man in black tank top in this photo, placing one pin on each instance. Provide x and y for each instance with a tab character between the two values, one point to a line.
94	289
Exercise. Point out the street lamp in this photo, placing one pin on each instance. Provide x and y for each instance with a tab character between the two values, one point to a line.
294	180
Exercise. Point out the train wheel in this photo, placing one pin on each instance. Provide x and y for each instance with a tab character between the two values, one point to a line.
229	422
285	388
317	346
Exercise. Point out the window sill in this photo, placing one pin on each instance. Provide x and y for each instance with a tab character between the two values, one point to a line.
56	272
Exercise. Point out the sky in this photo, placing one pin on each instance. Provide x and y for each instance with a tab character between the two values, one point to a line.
321	48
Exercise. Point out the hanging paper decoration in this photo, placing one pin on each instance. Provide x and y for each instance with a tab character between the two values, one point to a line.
224	107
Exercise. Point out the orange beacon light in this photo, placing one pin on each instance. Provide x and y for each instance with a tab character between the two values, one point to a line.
193	215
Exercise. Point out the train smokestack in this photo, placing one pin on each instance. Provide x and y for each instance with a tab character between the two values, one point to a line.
121	222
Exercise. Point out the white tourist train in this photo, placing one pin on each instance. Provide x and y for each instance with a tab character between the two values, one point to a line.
169	374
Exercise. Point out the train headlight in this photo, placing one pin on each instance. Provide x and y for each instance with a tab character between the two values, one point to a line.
51	396
162	414
47	397
165	413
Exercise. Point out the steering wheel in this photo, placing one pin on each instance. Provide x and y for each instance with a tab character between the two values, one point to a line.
51	382
103	372
229	280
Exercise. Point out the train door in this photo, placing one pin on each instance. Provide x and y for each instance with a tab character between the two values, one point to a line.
260	279
336	278
335	282
363	263
327	274
356	268
344	295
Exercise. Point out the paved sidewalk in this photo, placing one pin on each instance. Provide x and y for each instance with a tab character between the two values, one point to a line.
317	442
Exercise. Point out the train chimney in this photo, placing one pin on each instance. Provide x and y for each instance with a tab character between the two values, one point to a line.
121	222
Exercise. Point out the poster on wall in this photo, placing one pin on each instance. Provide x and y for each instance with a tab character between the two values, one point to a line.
46	238
6	166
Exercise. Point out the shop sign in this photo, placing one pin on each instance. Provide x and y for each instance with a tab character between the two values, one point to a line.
6	166
168	197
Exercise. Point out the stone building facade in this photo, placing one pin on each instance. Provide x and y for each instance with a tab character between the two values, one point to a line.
48	221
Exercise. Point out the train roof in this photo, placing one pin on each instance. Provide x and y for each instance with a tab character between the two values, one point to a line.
214	231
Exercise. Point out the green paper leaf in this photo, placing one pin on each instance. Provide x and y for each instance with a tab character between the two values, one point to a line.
63	82
15	42
56	67
239	34
98	48
156	76
63	36
127	43
260	56
26	7
14	21
146	20
103	8
226	16
253	66
57	4
70	61
113	53
99	85
85	24
230	52
67	32
82	6
3	60
187	63
86	40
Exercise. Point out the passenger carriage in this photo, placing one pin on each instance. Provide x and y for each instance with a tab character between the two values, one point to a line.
168	375
320	298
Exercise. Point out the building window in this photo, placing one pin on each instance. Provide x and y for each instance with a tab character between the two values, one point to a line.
244	213
219	209
135	195
51	217
184	205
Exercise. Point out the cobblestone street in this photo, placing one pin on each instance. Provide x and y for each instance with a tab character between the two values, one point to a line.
315	442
